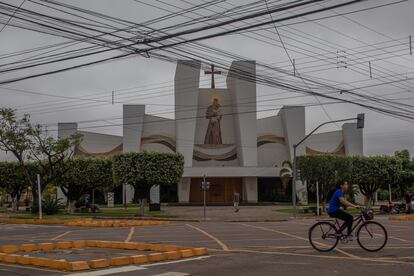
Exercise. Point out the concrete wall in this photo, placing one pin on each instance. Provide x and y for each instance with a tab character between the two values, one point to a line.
241	82
186	86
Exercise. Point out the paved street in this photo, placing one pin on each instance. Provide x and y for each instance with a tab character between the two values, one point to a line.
236	248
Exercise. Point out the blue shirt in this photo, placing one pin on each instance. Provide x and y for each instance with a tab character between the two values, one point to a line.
334	203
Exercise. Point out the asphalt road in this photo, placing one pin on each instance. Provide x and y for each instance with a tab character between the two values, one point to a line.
236	248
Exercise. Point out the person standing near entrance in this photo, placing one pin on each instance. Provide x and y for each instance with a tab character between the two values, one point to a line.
236	202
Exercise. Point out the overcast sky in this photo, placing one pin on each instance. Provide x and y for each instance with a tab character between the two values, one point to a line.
378	35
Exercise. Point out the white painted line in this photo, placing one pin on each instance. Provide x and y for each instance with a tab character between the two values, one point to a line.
172	274
178	261
109	271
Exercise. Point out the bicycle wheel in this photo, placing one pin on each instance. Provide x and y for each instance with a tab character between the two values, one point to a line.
372	236
323	236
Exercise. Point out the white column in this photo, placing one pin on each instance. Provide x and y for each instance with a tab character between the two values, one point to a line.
186	89
133	124
250	189
184	190
293	119
241	83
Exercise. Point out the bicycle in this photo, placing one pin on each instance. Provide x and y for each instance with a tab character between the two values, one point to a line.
371	235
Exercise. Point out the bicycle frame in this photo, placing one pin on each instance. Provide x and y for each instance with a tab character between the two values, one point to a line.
359	220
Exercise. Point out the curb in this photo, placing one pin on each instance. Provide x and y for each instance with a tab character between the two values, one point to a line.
400	218
162	253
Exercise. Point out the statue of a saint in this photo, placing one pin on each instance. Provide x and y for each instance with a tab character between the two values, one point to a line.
213	134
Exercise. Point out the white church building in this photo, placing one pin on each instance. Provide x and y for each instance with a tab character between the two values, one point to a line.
219	135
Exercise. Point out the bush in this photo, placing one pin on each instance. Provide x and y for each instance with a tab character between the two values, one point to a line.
50	206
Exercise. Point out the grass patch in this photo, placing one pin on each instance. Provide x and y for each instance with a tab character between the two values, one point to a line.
105	212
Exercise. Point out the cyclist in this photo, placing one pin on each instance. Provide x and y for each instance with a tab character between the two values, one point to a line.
336	202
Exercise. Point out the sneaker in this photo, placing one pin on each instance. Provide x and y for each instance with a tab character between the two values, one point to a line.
349	238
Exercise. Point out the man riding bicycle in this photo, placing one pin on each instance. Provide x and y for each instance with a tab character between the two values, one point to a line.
337	201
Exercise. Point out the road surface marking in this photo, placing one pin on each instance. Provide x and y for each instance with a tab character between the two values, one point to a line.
130	234
398	239
178	261
378	260
172	274
298	237
61	235
109	271
219	242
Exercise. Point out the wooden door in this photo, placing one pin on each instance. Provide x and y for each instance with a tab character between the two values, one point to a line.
221	189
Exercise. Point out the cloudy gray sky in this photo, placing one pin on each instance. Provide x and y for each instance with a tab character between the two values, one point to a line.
380	36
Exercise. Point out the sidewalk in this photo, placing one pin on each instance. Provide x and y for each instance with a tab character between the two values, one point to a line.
226	213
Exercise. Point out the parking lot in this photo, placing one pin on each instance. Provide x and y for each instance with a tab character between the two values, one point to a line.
236	248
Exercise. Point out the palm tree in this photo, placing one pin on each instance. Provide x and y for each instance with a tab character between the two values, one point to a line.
286	174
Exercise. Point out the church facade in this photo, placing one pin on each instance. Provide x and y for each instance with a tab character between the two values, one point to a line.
220	137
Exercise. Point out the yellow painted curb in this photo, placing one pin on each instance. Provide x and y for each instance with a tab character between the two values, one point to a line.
23	260
78	244
118	261
172	255
77	266
100	263
91	243
155	247
2	256
10	258
139	259
59	264
46	246
156	257
141	246
200	251
28	247
43	262
187	253
169	248
128	245
63	245
8	249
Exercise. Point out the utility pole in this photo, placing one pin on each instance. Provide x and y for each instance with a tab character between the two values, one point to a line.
294	67
370	69
411	46
39	193
360	124
113	96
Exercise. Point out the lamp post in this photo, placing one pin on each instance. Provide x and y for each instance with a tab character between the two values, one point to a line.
360	124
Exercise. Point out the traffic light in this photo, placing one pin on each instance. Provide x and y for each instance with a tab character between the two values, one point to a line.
360	120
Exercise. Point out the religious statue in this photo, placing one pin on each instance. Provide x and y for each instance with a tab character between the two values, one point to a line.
213	134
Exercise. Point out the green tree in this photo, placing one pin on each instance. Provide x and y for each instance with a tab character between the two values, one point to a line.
406	180
13	182
372	173
28	142
144	169
83	175
324	170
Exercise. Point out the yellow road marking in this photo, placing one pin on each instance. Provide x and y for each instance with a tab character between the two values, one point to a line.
130	234
219	242
298	237
61	235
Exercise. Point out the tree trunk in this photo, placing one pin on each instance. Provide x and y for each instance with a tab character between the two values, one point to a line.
142	207
368	201
72	206
15	204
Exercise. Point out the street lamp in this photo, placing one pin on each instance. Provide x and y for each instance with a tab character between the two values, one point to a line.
360	124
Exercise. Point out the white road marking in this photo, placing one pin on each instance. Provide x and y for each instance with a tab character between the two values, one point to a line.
178	261
172	274
109	271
